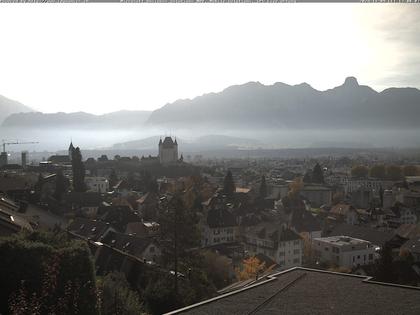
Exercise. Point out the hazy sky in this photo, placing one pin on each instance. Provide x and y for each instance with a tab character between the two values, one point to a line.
105	57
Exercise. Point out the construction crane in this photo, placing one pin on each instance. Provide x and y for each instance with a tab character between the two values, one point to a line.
15	142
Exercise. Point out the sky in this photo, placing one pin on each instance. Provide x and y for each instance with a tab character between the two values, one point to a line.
100	58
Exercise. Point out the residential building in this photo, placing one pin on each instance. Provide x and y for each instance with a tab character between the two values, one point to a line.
343	251
317	195
273	240
97	184
218	226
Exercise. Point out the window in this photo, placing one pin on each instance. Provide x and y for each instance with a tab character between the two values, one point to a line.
296	252
281	254
327	249
296	242
152	249
370	256
296	261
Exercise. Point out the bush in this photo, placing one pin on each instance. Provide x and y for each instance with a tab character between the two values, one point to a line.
45	273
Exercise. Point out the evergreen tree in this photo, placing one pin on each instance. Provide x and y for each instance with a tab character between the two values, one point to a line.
180	233
317	174
113	178
385	271
60	185
229	184
307	178
78	171
263	187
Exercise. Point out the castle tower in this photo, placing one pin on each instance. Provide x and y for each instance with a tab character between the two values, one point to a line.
168	151
71	149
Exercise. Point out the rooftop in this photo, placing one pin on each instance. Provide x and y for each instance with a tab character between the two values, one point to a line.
341	240
309	291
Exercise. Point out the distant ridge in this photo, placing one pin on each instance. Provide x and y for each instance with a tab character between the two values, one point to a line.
280	105
8	107
80	120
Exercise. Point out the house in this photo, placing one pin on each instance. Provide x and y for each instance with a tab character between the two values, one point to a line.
118	216
143	228
402	214
343	251
378	237
86	202
88	229
280	244
97	184
305	224
413	247
307	291
345	212
145	248
218	226
317	195
148	206
122	188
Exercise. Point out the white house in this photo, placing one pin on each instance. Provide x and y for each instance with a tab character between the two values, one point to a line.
344	251
282	245
97	184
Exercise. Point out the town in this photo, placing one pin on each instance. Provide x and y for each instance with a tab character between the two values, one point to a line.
156	234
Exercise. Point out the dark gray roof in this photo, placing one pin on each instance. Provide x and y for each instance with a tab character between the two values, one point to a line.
375	236
131	244
218	218
308	291
88	229
305	221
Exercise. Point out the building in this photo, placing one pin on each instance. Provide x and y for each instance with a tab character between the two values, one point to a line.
282	245
218	226
307	291
97	184
317	195
343	251
168	151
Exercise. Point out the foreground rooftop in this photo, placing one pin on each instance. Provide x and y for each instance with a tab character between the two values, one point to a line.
309	291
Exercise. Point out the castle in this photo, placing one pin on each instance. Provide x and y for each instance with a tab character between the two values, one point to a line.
168	151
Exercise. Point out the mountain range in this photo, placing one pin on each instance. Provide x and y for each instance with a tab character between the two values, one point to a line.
8	107
123	119
277	106
280	105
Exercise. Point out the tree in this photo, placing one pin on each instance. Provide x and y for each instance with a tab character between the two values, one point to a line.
78	171
378	171
217	268
229	184
307	178
385	271
263	187
411	170
394	172
113	178
317	174
179	233
60	185
117	297
251	268
295	187
359	171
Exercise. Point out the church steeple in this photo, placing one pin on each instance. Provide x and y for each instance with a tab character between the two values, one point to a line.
71	149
